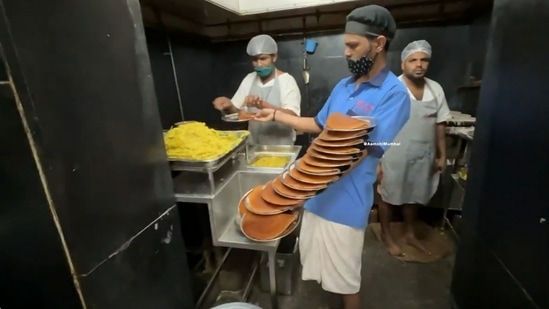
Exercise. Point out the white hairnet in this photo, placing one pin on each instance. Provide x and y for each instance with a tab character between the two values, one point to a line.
414	47
262	44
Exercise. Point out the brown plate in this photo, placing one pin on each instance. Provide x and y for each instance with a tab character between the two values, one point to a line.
245	115
338	136
336	150
242	204
287	232
267	228
272	197
288	192
300	185
342	122
356	162
332	157
335	144
310	160
359	157
312	179
315	170
255	204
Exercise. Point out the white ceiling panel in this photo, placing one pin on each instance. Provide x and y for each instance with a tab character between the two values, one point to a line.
252	7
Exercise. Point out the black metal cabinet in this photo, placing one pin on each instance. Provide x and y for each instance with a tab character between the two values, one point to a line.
82	73
503	254
94	106
27	229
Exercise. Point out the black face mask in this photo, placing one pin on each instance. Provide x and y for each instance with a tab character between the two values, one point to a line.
360	67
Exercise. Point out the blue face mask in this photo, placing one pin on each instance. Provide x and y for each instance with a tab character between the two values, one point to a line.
264	71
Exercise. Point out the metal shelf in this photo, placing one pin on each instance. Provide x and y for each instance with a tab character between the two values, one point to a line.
230	183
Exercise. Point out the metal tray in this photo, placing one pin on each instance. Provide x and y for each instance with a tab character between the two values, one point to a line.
233	118
210	165
271	150
371	120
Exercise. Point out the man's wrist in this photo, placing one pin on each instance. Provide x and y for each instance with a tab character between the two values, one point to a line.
268	105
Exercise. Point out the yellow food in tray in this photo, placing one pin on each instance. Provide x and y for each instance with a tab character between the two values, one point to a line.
462	173
195	141
271	161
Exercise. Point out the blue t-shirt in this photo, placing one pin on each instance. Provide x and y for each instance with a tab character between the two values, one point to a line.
348	201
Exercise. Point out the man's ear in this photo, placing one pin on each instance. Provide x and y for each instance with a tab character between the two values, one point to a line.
381	41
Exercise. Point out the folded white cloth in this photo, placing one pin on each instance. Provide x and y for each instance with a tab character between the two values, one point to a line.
331	254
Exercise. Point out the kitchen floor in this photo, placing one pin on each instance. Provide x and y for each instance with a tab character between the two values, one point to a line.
387	283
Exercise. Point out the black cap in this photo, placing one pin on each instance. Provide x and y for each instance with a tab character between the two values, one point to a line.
371	20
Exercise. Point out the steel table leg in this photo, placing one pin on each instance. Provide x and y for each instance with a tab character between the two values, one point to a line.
444	183
272	279
212	182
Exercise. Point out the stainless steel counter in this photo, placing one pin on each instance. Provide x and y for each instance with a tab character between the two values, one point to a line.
195	187
466	133
458	193
231	182
455	187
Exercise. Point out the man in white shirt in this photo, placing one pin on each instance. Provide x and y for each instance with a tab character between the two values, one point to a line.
409	171
266	87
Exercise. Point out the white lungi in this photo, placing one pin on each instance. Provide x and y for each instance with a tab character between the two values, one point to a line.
331	254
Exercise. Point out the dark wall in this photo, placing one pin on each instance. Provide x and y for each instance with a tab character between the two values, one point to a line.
162	70
82	75
504	250
479	31
206	71
328	64
27	229
193	63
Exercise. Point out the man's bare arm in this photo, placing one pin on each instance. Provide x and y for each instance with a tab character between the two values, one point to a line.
278	108
304	124
441	140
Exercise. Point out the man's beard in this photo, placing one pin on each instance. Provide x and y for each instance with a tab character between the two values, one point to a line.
414	78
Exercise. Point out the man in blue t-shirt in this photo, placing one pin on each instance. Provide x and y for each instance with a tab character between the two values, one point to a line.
334	221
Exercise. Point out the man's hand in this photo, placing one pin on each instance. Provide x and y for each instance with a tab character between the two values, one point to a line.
222	103
440	165
253	101
266	114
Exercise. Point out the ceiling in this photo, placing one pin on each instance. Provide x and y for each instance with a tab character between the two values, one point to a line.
240	19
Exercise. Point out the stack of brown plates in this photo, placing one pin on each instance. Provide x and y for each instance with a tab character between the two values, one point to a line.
339	146
267	215
271	211
338	122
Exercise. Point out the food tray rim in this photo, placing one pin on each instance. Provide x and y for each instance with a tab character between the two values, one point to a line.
244	138
293	158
